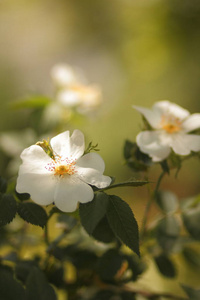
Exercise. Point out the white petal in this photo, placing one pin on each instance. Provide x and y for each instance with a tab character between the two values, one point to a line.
69	98
92	160
167	107
71	191
41	187
153	117
34	160
153	144
183	144
66	146
93	177
192	122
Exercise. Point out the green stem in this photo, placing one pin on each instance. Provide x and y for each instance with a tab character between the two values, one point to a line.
148	206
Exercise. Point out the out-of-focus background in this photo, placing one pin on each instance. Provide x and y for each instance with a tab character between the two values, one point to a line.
138	51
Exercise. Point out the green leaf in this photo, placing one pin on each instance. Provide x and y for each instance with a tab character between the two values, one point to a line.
35	101
92	212
10	289
8	209
167	201
191	220
37	286
136	160
193	294
23	268
167	232
103	232
133	183
32	213
136	265
165	266
123	222
109	264
3	185
22	196
192	256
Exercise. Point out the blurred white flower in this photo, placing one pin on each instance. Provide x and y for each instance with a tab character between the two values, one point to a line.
64	178
72	90
171	125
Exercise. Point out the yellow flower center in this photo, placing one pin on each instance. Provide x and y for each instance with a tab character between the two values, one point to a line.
170	123
62	167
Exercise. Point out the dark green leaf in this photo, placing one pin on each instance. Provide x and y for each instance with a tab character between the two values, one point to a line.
92	212
37	286
32	213
22	196
136	265
10	289
136	160
167	232
23	268
103	232
8	209
3	185
123	222
167	201
35	101
133	183
191	220
192	256
165	266
109	264
193	294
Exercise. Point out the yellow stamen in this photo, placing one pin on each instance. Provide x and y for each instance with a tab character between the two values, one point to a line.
64	169
170	123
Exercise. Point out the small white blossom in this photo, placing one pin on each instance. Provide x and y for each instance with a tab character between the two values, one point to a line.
64	178
171	125
72	91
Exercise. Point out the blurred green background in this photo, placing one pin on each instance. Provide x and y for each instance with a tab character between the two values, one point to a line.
138	51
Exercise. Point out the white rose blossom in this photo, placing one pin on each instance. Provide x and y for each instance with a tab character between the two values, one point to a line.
171	125
72	92
65	178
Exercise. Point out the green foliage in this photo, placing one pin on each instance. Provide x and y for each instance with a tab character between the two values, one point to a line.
3	185
22	196
167	232
8	208
193	294
167	201
123	223
92	212
10	289
110	211
109	264
191	218
192	255
37	286
35	101
165	266
134	158
32	213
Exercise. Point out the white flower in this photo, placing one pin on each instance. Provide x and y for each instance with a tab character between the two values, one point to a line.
171	125
64	179
72	91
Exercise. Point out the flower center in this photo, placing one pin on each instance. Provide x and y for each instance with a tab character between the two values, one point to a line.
62	167
170	123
